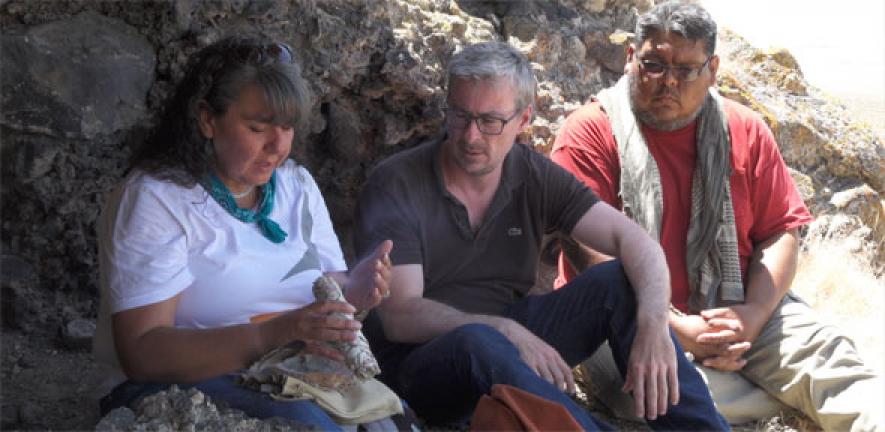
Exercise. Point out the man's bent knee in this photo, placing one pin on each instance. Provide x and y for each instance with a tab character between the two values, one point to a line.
477	338
607	283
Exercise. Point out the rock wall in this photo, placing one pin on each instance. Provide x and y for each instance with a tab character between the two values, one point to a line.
82	80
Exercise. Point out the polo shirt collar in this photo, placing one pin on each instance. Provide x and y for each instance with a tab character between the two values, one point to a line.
511	176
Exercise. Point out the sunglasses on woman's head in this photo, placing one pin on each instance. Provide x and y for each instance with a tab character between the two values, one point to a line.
251	54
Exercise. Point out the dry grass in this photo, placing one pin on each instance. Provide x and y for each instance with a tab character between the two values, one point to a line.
841	285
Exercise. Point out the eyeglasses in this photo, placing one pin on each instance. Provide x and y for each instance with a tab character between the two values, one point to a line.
487	124
682	73
262	54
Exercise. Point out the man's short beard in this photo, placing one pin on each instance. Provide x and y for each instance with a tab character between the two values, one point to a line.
648	119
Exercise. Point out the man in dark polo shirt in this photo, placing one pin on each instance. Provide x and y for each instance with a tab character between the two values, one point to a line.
467	213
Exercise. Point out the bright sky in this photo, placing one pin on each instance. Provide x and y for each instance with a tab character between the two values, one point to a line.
840	45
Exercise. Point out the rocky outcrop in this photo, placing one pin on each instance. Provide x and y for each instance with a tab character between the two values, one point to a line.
817	136
837	162
76	78
72	88
82	81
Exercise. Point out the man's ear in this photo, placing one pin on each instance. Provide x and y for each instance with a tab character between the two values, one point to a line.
631	51
525	118
205	120
714	68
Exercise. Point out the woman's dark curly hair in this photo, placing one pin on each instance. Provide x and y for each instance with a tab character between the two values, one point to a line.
175	149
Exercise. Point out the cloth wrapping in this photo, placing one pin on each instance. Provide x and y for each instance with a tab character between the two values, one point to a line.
346	391
366	401
287	373
290	361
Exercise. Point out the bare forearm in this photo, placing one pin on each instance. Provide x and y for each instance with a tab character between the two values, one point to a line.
176	355
771	272
645	266
150	349
418	320
610	232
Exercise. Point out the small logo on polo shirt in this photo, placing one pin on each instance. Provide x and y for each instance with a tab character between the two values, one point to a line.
513	232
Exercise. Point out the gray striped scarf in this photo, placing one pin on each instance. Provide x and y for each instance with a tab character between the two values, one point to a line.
714	271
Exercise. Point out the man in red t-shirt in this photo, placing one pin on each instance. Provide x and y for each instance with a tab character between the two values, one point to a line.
705	176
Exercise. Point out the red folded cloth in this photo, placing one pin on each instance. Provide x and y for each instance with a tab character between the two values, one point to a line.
509	408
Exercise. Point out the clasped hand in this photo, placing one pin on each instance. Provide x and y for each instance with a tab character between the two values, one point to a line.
718	337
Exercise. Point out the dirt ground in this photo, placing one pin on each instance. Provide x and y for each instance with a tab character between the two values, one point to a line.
46	386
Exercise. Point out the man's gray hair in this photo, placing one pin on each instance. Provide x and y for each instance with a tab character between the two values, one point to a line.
684	19
490	60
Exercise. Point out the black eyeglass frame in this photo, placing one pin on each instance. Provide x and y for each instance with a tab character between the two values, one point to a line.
461	119
681	73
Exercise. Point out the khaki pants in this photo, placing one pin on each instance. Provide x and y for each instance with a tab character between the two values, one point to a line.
795	362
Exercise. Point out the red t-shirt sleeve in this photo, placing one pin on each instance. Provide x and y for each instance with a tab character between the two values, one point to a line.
586	148
775	203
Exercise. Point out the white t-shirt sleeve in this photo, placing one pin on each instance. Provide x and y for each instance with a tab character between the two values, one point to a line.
323	235
147	252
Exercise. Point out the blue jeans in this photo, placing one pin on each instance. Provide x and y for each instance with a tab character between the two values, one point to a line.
443	379
225	389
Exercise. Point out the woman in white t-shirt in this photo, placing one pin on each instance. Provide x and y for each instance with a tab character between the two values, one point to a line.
214	227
